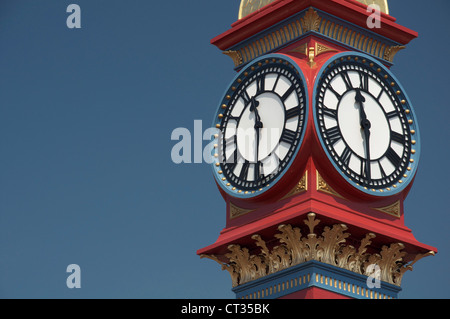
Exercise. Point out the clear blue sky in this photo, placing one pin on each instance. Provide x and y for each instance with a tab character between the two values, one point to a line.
86	118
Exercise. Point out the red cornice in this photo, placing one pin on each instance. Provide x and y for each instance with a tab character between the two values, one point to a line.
349	10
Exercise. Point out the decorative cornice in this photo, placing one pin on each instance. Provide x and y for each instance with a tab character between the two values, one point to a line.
318	22
293	248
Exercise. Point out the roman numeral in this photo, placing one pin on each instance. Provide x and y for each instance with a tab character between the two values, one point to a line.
383	173
244	171
365	169
346	155
393	157
288	136
334	135
334	92
288	93
245	97
276	81
260	84
392	115
364	78
294	112
396	137
233	118
258	175
330	112
231	140
347	81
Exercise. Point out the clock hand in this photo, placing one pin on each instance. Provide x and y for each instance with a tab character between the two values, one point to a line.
258	126
254	108
365	125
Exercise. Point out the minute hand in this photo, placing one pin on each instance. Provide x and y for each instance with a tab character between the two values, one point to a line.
365	125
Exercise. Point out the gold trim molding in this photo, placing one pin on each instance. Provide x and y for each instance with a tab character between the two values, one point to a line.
330	247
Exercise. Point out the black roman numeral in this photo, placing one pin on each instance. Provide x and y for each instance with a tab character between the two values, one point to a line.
244	171
260	84
245	97
334	135
365	169
288	136
258	175
233	118
294	112
230	141
346	155
330	112
393	157
287	93
347	81
364	77
334	92
392	115
276	82
396	137
383	173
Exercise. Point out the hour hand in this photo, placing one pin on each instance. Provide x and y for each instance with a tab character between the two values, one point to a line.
254	105
359	97
254	108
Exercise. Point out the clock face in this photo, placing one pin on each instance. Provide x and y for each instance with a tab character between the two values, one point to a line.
366	124
262	123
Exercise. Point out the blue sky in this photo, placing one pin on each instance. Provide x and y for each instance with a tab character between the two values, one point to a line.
86	118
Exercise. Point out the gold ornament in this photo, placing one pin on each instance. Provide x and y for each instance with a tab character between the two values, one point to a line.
293	248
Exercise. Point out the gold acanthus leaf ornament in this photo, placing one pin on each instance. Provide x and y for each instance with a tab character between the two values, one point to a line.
311	20
392	51
235	56
330	248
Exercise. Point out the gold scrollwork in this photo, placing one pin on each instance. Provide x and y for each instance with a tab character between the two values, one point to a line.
301	187
330	247
393	209
322	186
236	211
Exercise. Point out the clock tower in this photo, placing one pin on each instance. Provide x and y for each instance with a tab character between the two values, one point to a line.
317	147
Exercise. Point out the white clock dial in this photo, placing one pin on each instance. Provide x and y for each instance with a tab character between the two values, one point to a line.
365	124
262	122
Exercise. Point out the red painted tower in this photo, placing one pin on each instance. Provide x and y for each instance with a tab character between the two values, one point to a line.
317	147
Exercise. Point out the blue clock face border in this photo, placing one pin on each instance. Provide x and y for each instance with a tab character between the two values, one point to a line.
289	69
386	185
